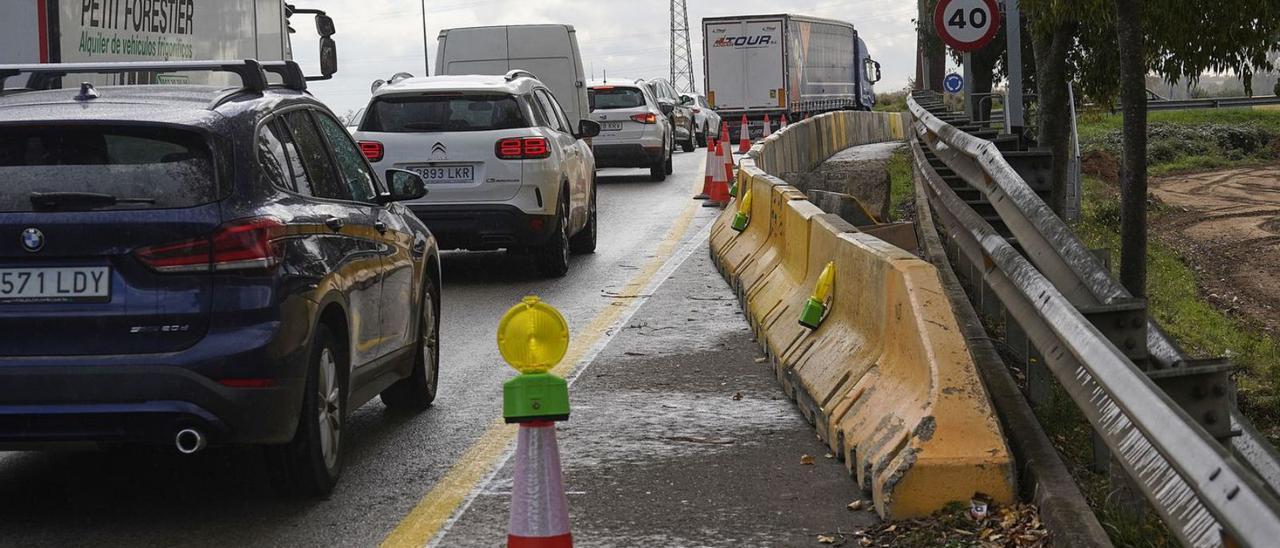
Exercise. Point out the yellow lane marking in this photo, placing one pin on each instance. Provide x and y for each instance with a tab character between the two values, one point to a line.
430	514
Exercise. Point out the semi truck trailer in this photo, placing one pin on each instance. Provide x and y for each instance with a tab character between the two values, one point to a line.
784	64
95	31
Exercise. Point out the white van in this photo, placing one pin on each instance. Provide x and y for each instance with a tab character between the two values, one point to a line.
550	52
83	31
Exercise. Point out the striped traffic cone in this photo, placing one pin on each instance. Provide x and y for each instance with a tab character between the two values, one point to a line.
724	131
727	161
768	127
711	167
539	509
784	121
719	183
744	137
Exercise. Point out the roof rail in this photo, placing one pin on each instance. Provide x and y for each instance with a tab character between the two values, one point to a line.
289	71
250	71
517	73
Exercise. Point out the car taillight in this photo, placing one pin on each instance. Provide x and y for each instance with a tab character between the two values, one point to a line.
646	118
239	245
372	150
522	148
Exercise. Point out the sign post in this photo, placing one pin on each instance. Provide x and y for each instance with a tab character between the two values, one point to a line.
1013	37
967	26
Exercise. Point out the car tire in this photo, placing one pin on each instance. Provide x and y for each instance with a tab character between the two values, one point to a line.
689	145
553	257
702	137
309	465
418	390
669	167
585	240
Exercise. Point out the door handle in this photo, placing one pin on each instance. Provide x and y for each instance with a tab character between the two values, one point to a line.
380	226
334	223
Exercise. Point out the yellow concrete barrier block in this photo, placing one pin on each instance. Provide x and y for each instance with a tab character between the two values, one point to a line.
736	249
767	285
770	254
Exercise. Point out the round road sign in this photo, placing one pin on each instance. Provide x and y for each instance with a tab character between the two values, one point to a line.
966	25
952	83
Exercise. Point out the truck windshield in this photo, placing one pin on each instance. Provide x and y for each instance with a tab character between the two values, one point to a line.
427	113
143	167
612	97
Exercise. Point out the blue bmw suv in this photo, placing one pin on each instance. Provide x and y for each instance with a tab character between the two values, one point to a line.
195	265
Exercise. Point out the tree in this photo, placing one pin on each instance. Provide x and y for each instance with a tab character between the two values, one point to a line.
931	56
1133	170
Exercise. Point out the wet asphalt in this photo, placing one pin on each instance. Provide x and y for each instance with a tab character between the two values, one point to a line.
223	497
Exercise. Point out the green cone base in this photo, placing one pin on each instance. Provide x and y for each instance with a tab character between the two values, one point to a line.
811	315
740	221
535	397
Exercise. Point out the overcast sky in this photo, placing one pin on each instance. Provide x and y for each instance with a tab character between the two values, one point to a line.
377	38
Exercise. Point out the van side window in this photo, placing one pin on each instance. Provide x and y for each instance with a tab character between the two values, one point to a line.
314	157
549	108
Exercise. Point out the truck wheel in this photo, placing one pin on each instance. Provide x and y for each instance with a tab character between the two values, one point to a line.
309	465
418	390
553	257
585	240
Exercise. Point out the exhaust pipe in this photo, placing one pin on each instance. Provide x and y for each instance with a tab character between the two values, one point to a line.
189	441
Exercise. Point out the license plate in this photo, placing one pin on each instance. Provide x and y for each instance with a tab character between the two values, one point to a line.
92	283
610	126
447	174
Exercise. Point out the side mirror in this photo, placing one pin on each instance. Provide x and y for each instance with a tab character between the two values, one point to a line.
667	108
587	129
686	100
328	59
404	185
324	26
873	66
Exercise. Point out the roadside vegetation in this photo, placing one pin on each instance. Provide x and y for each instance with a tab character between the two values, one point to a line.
901	187
1181	141
895	101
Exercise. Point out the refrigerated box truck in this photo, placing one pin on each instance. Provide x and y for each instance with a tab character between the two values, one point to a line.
94	31
784	64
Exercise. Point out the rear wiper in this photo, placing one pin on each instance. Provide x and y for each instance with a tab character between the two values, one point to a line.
80	200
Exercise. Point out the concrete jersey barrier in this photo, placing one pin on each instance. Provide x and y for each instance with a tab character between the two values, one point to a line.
886	379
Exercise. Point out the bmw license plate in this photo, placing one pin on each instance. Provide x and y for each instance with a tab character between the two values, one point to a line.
611	126
22	285
447	174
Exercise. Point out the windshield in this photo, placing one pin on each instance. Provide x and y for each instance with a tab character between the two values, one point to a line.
614	97
453	112
169	168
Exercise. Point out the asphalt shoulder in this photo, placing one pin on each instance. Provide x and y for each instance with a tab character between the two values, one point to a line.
679	436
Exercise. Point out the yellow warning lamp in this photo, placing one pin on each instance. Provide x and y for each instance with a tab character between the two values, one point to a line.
815	309
743	216
533	337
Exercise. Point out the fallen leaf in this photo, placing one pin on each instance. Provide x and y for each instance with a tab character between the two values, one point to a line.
826	539
830	455
864	541
737	396
855	505
806	460
762	359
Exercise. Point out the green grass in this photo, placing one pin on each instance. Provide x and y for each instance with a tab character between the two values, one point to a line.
1192	140
901	186
1093	124
1174	300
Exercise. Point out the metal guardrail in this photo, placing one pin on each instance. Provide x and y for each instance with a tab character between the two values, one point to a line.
1220	102
1057	294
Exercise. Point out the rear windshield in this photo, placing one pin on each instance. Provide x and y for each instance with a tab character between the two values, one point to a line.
143	167
612	97
423	113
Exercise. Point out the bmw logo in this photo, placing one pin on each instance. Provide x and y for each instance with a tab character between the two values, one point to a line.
32	240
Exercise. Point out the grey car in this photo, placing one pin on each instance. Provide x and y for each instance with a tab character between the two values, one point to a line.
678	112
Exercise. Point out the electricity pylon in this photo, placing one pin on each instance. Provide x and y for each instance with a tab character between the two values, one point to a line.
681	55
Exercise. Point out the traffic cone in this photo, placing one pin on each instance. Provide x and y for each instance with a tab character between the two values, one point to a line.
719	183
712	166
727	161
768	126
539	509
744	137
784	121
724	131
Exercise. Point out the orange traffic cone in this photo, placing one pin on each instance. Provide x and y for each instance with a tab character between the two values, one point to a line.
724	131
713	165
719	183
768	126
727	161
539	509
744	137
784	121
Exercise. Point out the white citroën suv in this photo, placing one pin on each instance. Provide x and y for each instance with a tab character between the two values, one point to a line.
504	167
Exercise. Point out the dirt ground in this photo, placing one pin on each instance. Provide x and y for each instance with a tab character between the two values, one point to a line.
1227	224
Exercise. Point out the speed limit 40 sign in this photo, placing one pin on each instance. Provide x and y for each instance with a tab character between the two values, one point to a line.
966	25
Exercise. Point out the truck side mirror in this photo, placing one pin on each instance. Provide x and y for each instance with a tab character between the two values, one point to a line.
328	58
324	26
